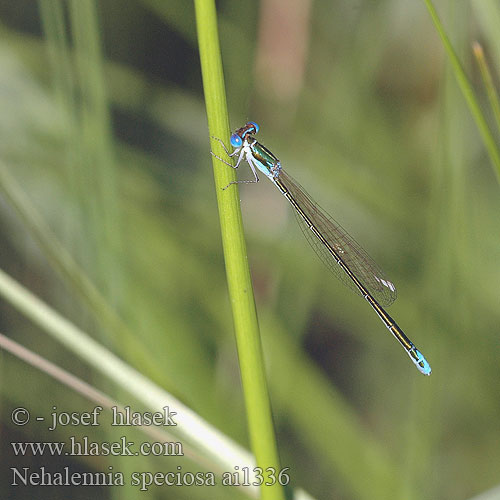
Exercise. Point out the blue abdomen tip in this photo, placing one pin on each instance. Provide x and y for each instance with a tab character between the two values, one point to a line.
422	364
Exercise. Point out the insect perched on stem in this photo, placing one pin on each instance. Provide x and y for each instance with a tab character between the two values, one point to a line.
339	252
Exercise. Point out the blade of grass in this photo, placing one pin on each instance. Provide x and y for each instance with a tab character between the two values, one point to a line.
92	394
488	82
63	262
467	91
200	434
253	377
487	13
493	494
202	437
98	176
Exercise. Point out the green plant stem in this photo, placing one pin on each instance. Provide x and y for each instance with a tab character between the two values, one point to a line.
246	326
467	91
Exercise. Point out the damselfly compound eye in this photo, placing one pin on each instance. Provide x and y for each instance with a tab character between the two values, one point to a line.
236	141
255	126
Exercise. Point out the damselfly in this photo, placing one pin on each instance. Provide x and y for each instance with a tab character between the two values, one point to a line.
339	252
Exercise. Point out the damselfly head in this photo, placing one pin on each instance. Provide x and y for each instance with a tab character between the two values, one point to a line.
241	134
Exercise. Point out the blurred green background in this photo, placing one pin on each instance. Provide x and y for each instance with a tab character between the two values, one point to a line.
102	124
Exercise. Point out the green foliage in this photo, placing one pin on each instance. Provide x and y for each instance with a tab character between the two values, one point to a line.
361	104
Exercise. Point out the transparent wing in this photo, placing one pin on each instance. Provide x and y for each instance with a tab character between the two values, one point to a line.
356	259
